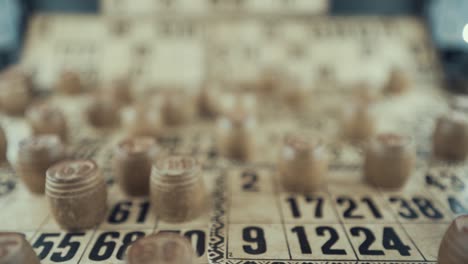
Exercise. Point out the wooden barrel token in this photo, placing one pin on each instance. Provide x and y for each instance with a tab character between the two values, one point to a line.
15	92
303	164
450	137
46	119
69	82
398	82
145	121
77	194
389	160
177	107
133	161
118	90
35	156
358	125
161	248
454	246
103	113
236	136
177	189
14	249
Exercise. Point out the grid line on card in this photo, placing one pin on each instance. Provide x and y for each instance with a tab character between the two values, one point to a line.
340	221
87	245
278	205
400	224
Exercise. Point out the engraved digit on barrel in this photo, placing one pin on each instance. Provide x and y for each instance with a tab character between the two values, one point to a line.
5	247
253	234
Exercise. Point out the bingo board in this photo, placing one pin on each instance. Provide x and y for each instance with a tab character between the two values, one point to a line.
126	8
251	219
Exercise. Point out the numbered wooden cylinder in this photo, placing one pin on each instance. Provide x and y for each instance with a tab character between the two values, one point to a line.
15	93
46	119
357	123
133	160
77	194
389	161
144	121
177	107
69	82
236	136
35	156
398	82
303	164
103	113
177	189
454	246
161	248
450	137
118	90
15	249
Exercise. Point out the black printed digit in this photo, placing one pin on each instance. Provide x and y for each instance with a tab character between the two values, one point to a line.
255	236
127	240
427	208
144	209
200	240
303	240
250	179
372	207
294	207
352	206
406	211
327	247
103	249
318	207
72	246
120	212
392	241
364	248
46	245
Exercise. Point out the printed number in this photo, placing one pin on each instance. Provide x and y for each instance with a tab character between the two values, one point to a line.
103	249
121	212
256	235
390	241
425	206
198	235
456	206
370	239
66	242
250	179
352	207
296	213
321	231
